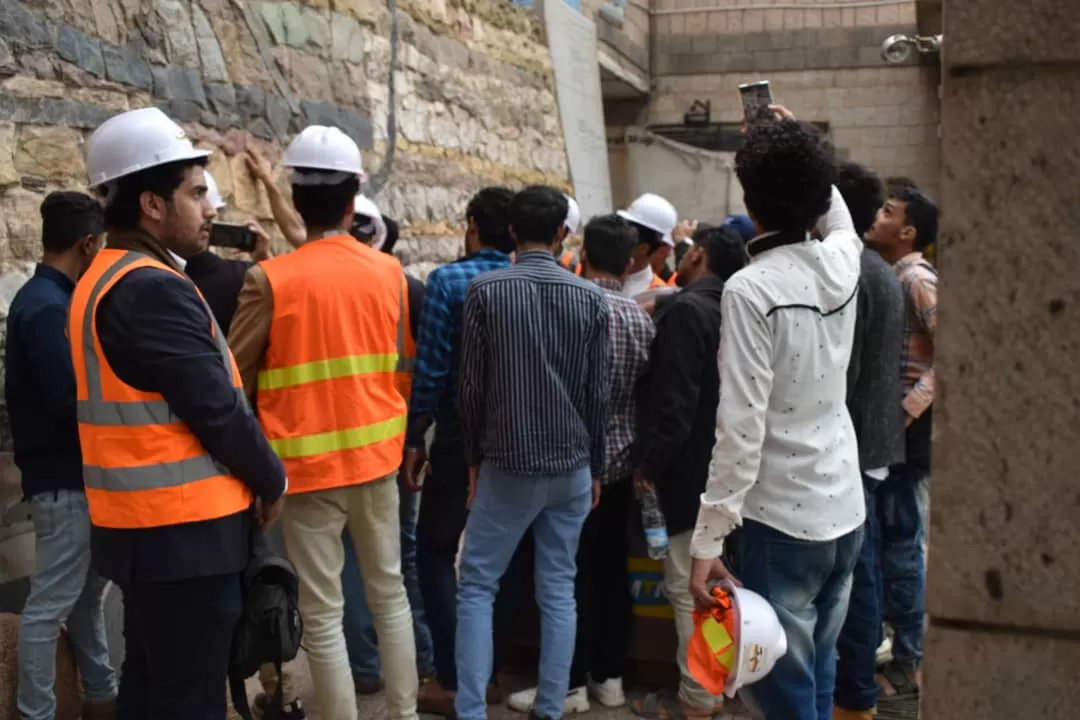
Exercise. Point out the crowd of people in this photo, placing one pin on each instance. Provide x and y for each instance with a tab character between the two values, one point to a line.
413	448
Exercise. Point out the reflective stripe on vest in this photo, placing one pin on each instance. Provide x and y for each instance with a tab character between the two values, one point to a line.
333	420
119	436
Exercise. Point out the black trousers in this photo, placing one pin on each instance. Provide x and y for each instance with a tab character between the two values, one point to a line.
602	589
177	637
439	525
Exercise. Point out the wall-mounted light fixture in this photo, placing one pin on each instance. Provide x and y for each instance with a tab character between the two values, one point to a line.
699	114
614	12
898	48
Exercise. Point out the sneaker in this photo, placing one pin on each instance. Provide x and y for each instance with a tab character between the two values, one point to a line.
577	701
884	652
293	710
608	693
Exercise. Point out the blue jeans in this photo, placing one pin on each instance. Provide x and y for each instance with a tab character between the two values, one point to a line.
360	639
861	634
63	589
808	584
903	504
505	506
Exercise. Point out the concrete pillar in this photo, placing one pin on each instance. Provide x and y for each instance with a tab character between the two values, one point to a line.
1004	588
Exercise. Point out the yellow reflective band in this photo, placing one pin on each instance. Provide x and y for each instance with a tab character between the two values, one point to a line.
326	370
716	635
337	440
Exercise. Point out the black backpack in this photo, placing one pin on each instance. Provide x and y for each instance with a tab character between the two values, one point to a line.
270	628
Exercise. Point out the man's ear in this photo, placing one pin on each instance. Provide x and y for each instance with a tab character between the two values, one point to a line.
153	206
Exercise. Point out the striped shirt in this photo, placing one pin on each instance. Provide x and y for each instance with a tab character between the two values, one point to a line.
535	375
631	330
919	282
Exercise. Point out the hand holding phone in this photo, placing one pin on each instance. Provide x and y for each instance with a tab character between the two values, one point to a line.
231	235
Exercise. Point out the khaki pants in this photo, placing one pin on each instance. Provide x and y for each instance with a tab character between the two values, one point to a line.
313	523
677	587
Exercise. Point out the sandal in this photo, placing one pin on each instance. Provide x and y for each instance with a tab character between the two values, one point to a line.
897	679
666	706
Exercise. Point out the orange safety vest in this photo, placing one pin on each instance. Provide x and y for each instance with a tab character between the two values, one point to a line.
713	652
671	280
568	262
656	282
142	465
330	395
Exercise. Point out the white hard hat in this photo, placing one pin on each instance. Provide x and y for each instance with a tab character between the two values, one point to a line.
133	141
319	147
212	192
655	213
573	215
364	207
761	640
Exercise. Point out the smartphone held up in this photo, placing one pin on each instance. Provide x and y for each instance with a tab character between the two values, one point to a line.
756	98
232	235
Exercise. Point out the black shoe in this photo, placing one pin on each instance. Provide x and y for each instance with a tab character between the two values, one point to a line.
292	711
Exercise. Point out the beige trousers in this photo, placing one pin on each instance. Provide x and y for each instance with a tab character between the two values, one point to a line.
313	523
677	587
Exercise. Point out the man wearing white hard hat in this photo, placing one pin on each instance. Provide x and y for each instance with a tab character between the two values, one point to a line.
320	334
654	218
173	457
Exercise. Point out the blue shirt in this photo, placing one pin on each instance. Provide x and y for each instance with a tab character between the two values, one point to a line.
39	385
438	342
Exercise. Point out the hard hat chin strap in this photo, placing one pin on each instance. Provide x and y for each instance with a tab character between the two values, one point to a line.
320	178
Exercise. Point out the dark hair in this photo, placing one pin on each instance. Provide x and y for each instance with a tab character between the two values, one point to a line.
646	236
725	250
489	210
921	213
323	206
609	242
863	193
68	217
896	182
392	234
785	174
124	211
537	213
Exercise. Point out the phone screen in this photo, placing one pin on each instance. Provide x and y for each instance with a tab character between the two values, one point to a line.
755	95
230	235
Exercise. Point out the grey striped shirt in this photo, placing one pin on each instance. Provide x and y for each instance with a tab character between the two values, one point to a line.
534	369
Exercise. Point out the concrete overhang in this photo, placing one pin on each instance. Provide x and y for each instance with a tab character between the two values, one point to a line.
619	81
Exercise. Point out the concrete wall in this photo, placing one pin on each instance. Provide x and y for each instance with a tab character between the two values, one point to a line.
824	63
1004	570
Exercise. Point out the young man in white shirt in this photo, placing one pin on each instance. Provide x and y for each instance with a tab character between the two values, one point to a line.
785	465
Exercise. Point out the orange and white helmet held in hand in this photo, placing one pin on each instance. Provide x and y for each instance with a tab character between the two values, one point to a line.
735	643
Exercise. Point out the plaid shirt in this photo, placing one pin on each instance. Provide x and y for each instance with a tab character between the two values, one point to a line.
631	334
919	282
438	343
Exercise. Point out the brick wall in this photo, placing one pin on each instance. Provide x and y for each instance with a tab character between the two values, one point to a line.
823	62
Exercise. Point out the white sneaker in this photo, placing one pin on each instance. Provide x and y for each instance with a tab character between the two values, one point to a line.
608	693
884	652
577	701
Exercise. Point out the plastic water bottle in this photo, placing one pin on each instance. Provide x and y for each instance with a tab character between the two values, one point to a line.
652	519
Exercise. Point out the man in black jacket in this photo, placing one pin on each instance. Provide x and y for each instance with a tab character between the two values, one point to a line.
676	428
873	387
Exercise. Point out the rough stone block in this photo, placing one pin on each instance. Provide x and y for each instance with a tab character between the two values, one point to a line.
985	32
80	49
213	61
346	38
68	688
124	65
222	101
278	114
23	27
982	675
54	153
1004	497
8	173
272	14
180	36
250	101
